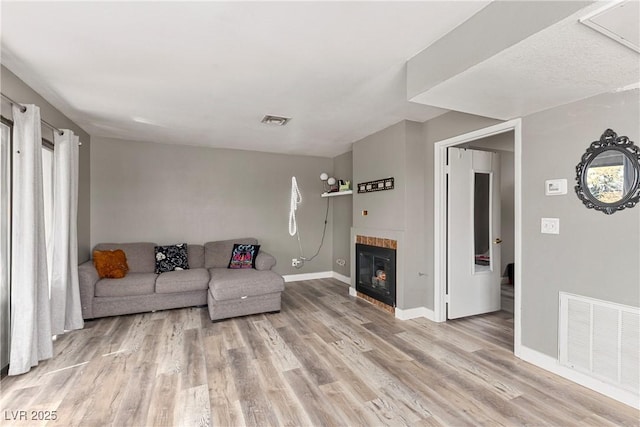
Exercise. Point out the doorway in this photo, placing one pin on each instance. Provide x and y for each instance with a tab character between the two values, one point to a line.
440	217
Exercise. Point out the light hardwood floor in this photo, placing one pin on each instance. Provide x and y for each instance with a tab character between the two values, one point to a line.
326	359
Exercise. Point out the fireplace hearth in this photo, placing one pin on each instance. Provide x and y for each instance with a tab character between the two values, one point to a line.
376	272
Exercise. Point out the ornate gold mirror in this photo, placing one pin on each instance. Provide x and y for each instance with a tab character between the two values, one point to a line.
608	175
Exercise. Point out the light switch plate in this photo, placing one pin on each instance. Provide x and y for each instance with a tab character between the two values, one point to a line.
550	226
555	187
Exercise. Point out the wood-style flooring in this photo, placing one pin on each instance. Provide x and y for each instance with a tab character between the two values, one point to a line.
327	359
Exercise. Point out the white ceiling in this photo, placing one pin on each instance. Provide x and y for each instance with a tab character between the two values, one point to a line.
205	73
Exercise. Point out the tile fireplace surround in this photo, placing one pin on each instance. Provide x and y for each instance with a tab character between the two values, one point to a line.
377	241
380	243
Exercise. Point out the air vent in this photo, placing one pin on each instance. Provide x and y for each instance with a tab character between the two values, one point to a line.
601	339
275	120
619	21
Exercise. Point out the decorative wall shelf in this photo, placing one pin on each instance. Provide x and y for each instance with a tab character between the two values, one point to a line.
337	193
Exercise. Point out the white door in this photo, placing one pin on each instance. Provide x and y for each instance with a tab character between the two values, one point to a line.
473	232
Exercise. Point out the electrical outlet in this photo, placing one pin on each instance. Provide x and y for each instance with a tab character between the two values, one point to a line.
550	226
295	262
341	262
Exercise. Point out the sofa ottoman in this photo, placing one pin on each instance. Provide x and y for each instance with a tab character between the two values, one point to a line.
243	292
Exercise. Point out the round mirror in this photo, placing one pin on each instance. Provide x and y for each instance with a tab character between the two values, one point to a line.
609	174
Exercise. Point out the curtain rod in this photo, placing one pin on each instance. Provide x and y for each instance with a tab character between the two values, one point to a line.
23	109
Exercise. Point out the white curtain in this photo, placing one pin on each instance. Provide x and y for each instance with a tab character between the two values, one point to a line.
66	311
30	310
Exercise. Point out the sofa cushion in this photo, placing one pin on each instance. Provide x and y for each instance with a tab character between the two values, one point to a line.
140	256
195	255
243	256
217	254
226	284
265	261
110	264
171	258
131	284
194	279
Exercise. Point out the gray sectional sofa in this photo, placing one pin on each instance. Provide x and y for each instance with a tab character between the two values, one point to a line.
226	292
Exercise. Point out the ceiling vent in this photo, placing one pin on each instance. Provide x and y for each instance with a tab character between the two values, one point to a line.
275	120
619	21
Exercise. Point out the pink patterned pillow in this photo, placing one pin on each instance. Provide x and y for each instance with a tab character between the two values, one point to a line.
243	256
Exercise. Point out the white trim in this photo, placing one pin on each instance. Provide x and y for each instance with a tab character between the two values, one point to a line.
440	238
319	275
341	277
308	276
553	365
517	255
413	313
352	291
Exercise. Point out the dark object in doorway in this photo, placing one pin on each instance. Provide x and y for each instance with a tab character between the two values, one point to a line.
509	273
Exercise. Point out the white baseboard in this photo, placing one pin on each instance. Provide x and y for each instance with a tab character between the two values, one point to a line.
308	276
408	314
342	278
318	275
413	313
553	365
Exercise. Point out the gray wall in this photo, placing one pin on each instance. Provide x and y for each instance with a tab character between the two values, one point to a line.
416	275
594	255
143	191
17	90
342	215
381	155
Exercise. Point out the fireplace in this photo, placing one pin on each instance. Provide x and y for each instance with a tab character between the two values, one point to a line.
376	272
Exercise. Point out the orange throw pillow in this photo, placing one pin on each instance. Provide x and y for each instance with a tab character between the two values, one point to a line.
111	264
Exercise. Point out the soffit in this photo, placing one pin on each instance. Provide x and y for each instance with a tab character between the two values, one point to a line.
564	63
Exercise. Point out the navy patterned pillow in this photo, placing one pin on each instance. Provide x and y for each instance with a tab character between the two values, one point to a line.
243	256
171	258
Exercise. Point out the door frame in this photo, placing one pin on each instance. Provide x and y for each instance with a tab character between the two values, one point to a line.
440	219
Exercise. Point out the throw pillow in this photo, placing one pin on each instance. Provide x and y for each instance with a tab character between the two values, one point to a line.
111	264
243	256
171	258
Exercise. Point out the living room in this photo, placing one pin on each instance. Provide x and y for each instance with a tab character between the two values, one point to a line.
162	182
